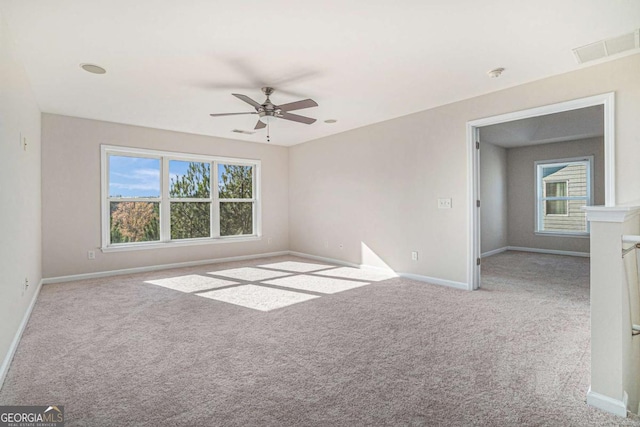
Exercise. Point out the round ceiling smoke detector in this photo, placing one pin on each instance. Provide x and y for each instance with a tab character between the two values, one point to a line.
496	72
92	68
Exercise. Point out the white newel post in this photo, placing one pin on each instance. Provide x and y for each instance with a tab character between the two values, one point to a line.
615	355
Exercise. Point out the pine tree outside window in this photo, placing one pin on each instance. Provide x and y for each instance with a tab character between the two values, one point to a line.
235	192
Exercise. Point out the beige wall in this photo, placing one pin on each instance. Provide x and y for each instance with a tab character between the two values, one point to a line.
20	246
493	193
522	195
376	189
71	195
378	185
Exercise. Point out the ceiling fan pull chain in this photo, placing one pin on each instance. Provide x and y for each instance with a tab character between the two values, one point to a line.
268	128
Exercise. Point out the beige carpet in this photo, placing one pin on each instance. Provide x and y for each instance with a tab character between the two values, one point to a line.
284	342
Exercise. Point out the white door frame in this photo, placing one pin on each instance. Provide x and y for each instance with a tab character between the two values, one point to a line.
607	100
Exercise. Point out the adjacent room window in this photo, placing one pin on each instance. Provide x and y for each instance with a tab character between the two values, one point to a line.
563	188
152	197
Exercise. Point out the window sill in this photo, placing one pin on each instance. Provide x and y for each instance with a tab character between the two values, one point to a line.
177	243
561	234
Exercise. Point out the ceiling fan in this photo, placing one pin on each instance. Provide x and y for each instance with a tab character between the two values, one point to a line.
268	111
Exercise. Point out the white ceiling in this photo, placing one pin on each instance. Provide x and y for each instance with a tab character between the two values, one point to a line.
565	126
169	64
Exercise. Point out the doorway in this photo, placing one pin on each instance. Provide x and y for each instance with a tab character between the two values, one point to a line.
606	101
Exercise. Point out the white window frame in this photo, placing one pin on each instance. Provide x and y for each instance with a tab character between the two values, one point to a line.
164	200
540	199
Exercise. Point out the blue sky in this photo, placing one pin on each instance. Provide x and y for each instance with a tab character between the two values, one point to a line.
140	177
134	177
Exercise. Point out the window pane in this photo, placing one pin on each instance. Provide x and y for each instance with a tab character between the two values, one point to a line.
236	218
573	220
190	220
556	189
556	207
551	170
189	179
567	180
134	177
235	182
135	221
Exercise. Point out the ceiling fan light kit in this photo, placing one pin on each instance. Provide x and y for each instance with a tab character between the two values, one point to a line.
267	119
268	112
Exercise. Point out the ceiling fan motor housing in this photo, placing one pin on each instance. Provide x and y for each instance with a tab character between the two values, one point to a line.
268	108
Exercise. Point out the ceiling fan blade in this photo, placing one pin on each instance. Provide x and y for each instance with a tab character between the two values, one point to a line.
298	105
246	86
253	76
230	114
246	99
297	118
260	125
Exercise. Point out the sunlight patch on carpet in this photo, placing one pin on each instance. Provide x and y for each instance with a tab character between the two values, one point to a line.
191	283
249	274
324	285
257	297
358	274
297	267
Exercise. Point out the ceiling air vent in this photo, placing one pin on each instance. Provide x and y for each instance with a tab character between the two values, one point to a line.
608	47
246	132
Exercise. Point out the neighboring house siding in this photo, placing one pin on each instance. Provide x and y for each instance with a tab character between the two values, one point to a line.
575	218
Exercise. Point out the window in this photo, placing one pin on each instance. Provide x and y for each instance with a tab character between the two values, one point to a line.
235	192
153	198
190	199
556	189
134	199
563	187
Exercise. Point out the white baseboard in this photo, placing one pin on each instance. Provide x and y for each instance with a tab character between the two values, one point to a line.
435	281
84	276
548	251
108	273
418	277
608	404
324	259
494	252
344	263
4	368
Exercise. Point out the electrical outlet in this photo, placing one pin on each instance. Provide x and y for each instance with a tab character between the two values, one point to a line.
444	203
326	244
414	255
269	240
91	254
24	143
26	285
